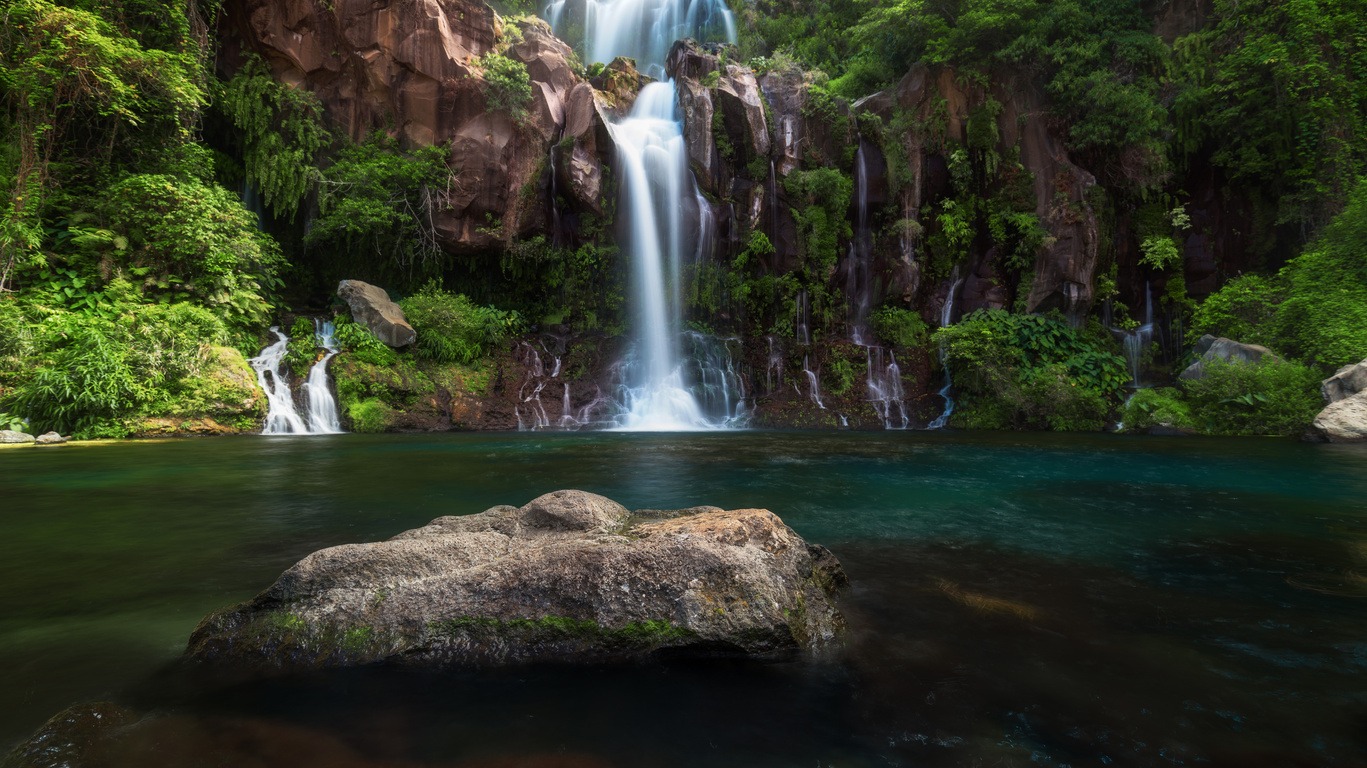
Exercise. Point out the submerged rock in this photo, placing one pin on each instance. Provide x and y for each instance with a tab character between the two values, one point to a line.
371	307
571	576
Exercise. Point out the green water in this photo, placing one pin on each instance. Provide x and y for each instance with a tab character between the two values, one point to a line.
1051	600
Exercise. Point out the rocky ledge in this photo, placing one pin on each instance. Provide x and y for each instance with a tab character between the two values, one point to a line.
571	576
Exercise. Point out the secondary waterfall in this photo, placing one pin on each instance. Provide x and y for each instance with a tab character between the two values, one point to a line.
1136	341
323	416
281	416
641	29
947	319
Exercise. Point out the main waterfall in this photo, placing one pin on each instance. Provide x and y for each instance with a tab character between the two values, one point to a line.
640	29
663	218
654	205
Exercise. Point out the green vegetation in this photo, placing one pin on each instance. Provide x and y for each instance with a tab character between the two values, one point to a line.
507	86
1268	398
1315	309
451	329
1031	372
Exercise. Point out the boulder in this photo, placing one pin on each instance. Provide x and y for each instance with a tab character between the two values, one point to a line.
371	307
1343	421
570	576
1348	381
742	107
1211	348
12	437
50	438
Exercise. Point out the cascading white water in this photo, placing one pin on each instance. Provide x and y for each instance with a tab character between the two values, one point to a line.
641	29
813	383
885	389
281	416
656	187
323	416
663	216
859	265
947	319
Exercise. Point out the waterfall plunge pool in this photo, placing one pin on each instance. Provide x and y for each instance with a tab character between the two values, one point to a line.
1016	599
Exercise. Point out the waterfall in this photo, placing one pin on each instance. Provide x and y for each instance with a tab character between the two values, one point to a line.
323	417
813	383
663	216
859	265
947	319
885	388
656	198
1136	341
641	29
281	416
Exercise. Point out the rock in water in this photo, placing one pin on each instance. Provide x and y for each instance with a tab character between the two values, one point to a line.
571	576
14	437
1344	419
50	438
371	307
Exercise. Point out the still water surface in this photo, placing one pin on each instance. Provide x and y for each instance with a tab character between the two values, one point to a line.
1016	600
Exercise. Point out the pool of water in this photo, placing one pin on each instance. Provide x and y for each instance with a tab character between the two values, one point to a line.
1015	600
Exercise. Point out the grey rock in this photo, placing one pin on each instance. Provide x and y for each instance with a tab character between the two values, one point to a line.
1343	421
571	576
1210	348
1346	382
50	438
11	437
371	307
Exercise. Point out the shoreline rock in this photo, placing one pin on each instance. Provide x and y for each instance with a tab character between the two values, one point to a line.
569	577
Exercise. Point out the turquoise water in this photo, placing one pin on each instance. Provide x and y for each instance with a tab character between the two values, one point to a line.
1016	599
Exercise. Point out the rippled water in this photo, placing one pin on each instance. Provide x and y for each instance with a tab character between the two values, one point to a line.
1017	600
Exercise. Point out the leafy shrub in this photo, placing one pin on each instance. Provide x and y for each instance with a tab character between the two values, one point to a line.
357	340
1030	372
1244	309
507	86
1156	408
452	329
1267	398
842	375
93	372
900	327
369	415
192	240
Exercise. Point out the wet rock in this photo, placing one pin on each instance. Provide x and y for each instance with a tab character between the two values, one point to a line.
742	108
50	438
586	142
371	307
1346	382
1210	348
571	576
619	83
13	437
73	737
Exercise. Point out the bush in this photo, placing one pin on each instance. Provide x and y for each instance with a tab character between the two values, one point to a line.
1243	309
93	372
507	86
900	327
357	340
370	415
1156	408
452	329
1030	372
1267	398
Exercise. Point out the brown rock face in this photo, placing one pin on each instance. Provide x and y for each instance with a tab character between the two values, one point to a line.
570	576
411	69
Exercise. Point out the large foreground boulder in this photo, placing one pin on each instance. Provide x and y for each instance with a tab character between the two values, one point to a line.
571	576
370	306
